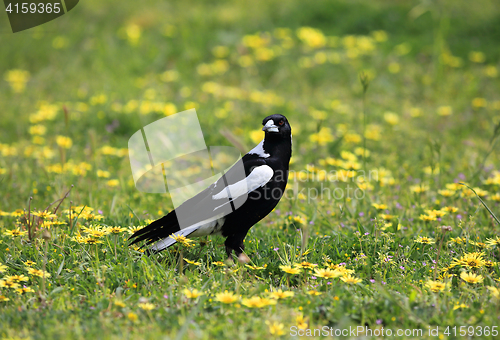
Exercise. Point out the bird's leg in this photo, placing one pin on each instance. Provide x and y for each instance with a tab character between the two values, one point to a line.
236	243
229	252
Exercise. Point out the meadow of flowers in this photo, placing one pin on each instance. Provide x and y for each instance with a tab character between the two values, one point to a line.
389	217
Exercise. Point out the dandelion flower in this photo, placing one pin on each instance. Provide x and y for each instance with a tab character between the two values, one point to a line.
192	294
182	240
279	294
470	260
494	291
132	316
38	272
327	273
24	290
17	278
350	279
15	232
257	302
276	328
424	240
3	268
193	262
307	265
493	242
254	267
146	306
301	321
436	286
290	270
471	278
226	297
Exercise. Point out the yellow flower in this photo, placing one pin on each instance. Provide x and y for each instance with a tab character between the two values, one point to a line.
119	303
450	209
477	57
193	262
17	278
276	328
257	302
327	273
192	294
134	229
470	260
494	291
24	290
64	142
182	240
132	316
8	284
17	79
424	240
226	297
379	206
301	321
38	130
38	272
479	102
3	298
299	220
313	292
290	270
493	242
446	192
15	232
391	117
461	305
219	263
323	137
436	286
113	183
418	189
387	217
444	110
348	278
471	278
343	270
254	267
307	265
279	294
3	268
146	306
458	240
312	37
256	136
115	230
29	263
44	214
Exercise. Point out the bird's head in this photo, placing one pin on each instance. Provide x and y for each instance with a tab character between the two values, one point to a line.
276	126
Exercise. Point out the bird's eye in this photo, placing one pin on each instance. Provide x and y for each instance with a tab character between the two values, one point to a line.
281	122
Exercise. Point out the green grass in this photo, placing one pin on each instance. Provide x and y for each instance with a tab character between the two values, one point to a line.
432	114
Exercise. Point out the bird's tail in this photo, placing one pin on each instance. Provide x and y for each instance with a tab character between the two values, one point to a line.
157	230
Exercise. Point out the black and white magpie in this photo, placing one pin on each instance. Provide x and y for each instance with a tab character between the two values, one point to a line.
252	194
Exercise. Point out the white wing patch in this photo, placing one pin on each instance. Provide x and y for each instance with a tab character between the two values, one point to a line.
207	227
256	179
259	150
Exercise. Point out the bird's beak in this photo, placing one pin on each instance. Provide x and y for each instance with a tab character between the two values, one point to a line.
270	127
